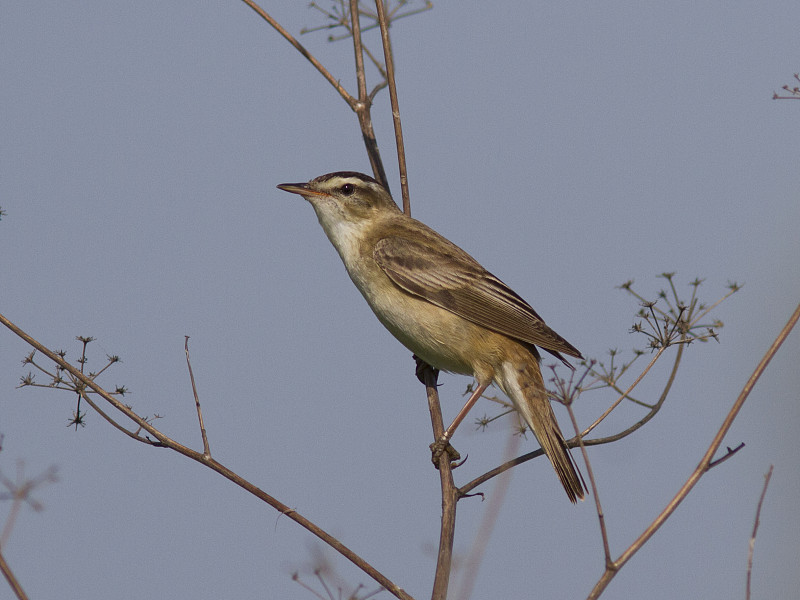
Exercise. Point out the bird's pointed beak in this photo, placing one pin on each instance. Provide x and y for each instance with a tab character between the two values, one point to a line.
299	188
294	188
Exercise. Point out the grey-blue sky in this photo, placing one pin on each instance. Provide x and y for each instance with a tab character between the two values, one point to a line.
567	147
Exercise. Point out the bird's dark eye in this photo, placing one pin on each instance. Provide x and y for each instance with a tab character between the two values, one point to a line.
348	189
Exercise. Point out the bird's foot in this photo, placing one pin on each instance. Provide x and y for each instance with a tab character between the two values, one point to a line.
442	446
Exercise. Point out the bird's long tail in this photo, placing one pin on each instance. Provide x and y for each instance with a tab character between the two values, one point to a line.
522	381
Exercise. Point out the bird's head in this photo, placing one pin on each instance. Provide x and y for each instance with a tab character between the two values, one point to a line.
344	197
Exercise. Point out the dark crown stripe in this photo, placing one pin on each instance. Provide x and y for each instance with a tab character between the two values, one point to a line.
346	174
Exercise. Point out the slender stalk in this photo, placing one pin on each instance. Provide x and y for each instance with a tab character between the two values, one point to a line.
301	49
450	495
12	579
752	545
593	484
607	412
363	105
206	448
650	414
398	129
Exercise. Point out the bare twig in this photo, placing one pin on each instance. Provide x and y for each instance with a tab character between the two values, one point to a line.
301	49
11	578
398	129
650	414
450	493
468	487
206	449
593	484
702	467
734	287
794	92
607	412
726	456
363	106
752	544
113	422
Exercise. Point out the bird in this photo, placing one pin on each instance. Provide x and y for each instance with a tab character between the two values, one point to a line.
441	304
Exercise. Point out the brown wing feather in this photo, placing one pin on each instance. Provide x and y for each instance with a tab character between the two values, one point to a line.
448	277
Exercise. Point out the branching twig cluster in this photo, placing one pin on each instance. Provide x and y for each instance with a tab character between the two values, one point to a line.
61	379
751	546
338	17
794	91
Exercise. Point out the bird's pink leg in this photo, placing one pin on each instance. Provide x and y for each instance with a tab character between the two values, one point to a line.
443	443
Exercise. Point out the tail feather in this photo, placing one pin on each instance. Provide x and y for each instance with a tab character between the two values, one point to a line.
522	382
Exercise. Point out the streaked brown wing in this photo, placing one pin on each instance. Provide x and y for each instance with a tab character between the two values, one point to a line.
448	277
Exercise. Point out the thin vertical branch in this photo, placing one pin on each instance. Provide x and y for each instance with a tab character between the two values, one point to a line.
450	493
752	544
363	105
206	449
601	517
12	579
358	48
398	129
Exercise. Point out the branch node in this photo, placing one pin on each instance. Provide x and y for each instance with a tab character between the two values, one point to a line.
730	452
